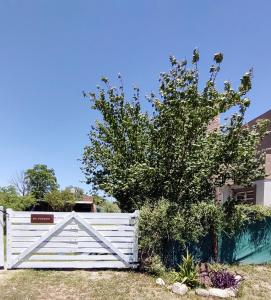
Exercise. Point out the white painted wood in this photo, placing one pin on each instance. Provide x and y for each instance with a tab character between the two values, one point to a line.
27	214
135	244
80	257
97	240
71	239
8	237
125	221
72	250
1	238
72	264
46	227
43	238
71	233
70	244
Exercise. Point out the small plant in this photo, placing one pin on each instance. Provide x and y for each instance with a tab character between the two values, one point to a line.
188	271
153	265
223	279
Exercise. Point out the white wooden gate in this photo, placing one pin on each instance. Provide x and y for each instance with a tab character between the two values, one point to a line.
73	240
1	238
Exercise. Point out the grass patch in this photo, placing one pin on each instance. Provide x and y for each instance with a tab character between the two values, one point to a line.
44	284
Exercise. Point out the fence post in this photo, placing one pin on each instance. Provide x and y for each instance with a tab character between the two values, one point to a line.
1	238
135	248
8	237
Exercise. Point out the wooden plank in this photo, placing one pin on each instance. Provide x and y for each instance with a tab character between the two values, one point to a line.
71	239
46	227
72	250
70	244
1	238
9	237
27	214
125	221
79	257
70	233
135	242
113	247
72	265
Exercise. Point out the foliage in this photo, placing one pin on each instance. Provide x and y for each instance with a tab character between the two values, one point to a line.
77	191
171	152
153	265
223	279
40	180
188	271
60	200
20	183
9	198
104	205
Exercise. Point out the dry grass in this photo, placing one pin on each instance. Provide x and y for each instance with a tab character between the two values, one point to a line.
32	284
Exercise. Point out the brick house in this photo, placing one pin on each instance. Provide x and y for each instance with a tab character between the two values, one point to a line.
260	192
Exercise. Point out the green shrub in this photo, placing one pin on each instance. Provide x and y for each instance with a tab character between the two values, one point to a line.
9	198
153	265
188	271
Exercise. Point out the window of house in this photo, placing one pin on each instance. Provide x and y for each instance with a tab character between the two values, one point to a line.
247	195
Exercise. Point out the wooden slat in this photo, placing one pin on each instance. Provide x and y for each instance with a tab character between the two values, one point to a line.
72	250
70	244
72	239
80	257
125	221
27	214
72	265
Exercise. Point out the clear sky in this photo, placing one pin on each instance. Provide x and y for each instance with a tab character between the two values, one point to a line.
52	50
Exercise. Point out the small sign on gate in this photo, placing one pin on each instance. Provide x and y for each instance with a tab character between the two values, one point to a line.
38	218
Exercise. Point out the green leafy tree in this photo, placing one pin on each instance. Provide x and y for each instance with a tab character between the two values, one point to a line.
40	180
60	200
104	205
140	157
9	198
77	191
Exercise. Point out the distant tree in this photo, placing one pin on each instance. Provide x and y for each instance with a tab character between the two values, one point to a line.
105	205
40	180
77	191
60	200
9	198
20	183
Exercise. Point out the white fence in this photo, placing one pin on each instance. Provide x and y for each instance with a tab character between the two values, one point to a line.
71	240
1	238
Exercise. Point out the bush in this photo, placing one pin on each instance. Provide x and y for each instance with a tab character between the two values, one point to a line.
60	200
153	265
9	198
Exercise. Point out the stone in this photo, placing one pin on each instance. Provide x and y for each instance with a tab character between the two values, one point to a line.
238	278
160	281
202	292
219	293
179	288
232	292
169	287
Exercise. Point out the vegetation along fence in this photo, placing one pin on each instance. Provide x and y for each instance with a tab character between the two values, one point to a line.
71	240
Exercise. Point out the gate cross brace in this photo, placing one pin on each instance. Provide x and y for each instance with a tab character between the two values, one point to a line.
67	219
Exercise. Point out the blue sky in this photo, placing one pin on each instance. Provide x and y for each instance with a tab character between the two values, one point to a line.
52	50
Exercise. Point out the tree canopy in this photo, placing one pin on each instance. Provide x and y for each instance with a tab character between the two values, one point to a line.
9	198
142	156
40	180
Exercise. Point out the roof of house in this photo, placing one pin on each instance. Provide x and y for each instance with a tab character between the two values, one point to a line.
86	199
266	142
